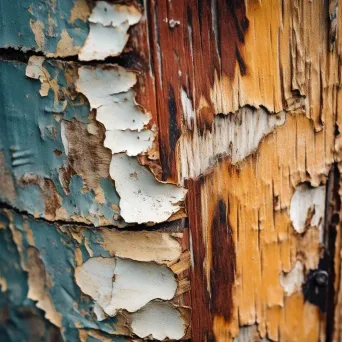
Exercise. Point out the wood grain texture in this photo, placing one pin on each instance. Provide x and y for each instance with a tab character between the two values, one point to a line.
244	100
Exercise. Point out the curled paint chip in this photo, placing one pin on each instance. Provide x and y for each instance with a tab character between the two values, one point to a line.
236	135
161	320
108	30
123	284
131	142
307	208
143	198
159	247
109	91
293	280
35	70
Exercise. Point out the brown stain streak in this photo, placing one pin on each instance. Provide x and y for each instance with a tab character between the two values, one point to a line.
201	319
222	273
195	36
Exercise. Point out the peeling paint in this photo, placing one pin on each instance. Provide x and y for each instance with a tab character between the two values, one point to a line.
65	46
141	246
293	280
108	30
307	208
38	282
235	135
45	142
142	198
80	11
35	70
159	320
37	28
123	284
109	90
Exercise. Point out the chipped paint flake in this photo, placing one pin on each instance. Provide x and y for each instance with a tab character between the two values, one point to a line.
143	198
293	280
109	91
38	287
128	141
141	246
35	70
236	135
108	30
307	208
123	284
80	11
37	28
160	320
95	278
65	46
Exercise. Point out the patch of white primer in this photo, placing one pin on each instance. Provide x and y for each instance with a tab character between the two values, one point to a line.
142	198
235	135
131	142
108	25
64	139
307	208
137	283
161	320
35	70
108	90
124	284
188	111
95	278
293	280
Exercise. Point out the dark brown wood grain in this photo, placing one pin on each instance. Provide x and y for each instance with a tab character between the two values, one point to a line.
188	46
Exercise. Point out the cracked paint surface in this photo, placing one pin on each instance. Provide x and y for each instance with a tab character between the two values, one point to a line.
51	28
123	284
142	198
52	285
38	144
307	208
108	26
242	126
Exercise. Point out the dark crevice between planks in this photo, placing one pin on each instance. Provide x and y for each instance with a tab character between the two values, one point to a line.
331	221
318	288
129	60
169	226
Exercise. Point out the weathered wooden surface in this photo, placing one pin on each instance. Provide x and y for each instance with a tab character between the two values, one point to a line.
119	119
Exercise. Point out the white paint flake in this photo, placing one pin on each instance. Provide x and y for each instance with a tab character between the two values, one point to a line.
188	111
236	135
128	141
307	208
142	198
123	284
108	90
293	280
108	36
35	70
95	278
160	320
137	283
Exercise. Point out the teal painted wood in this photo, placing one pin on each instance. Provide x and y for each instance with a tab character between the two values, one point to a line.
56	248
41	25
38	177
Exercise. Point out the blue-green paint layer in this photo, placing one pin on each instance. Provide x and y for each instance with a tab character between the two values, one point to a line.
52	16
56	249
33	152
